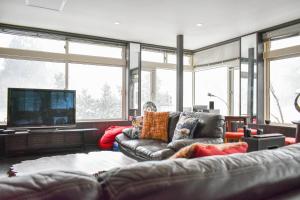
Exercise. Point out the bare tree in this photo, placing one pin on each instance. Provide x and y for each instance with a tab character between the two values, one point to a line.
277	103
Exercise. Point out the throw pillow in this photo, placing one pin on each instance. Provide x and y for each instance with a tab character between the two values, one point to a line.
185	152
155	126
185	127
201	150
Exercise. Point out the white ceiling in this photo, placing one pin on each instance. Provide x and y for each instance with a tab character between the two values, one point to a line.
156	21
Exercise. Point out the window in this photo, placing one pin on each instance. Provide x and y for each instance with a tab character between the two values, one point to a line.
187	90
284	43
165	90
98	91
31	43
146	87
98	84
284	82
245	89
236	91
172	59
28	74
95	50
152	56
213	81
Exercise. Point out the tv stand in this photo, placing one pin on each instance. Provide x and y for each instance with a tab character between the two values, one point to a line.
46	140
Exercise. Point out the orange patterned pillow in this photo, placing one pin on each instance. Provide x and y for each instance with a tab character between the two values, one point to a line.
155	126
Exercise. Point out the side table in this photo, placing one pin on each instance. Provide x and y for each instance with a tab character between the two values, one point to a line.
256	144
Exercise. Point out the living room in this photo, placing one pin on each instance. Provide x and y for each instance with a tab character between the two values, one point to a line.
146	100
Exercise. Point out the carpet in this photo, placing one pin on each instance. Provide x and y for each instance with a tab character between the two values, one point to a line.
90	163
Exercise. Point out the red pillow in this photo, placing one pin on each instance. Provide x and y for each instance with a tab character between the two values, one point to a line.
108	138
201	150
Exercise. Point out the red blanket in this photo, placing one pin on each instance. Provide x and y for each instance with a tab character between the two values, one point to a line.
108	138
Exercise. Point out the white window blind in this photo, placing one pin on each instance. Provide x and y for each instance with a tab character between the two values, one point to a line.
217	54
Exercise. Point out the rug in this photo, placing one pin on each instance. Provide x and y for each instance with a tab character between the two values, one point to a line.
91	163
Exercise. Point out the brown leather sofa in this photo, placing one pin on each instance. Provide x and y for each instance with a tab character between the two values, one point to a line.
210	130
260	175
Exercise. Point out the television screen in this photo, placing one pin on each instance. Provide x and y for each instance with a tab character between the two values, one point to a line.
40	107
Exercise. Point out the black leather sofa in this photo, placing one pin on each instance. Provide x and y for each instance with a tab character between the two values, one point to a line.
260	175
210	130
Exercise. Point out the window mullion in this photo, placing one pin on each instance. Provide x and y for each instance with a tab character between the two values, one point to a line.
67	66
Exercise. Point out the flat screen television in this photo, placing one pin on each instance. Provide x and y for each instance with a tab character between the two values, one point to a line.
40	108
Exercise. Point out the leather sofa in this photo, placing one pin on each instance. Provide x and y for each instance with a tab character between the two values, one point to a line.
210	129
260	175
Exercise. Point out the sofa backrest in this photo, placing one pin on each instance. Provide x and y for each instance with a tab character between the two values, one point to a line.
256	175
50	185
210	125
173	119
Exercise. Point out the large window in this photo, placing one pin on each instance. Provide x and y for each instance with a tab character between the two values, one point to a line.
245	89
236	91
152	56
212	81
95	50
172	59
187	90
283	74
159	80
98	91
165	90
146	86
28	74
98	81
31	43
284	82
284	43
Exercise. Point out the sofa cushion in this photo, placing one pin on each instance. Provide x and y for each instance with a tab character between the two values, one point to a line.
185	127
154	151
132	144
155	126
210	124
173	119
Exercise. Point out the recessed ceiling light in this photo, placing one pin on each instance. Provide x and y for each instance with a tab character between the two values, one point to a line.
199	24
117	23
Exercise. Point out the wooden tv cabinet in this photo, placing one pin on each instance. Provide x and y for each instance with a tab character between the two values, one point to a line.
44	140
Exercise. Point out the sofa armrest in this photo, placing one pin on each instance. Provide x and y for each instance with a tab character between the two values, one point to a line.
132	133
178	144
127	132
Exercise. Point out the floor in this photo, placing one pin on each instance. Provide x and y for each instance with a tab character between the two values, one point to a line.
7	162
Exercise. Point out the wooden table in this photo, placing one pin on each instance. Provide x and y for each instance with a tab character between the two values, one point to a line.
229	119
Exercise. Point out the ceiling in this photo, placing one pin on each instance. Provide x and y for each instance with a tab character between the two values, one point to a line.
156	21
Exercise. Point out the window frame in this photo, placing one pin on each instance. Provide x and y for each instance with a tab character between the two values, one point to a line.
230	83
271	55
67	58
152	67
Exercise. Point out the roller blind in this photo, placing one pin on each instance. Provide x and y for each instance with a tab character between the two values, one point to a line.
283	32
219	54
